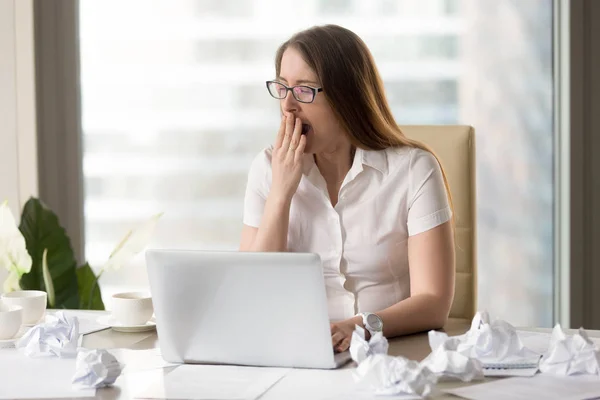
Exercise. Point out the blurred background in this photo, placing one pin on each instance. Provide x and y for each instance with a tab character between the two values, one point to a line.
174	108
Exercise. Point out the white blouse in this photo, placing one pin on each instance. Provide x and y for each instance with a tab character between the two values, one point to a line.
386	197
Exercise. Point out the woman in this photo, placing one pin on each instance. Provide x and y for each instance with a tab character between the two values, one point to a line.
343	181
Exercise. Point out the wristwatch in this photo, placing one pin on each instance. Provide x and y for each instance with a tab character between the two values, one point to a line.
372	322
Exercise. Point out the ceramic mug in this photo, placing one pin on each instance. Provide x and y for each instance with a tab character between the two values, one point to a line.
10	320
32	301
132	308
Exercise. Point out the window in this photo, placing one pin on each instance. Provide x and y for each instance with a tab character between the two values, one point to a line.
175	109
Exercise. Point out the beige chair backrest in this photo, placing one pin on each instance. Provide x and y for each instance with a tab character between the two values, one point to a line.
455	147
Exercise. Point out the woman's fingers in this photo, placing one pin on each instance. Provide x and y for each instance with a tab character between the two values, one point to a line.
344	344
280	133
336	338
340	338
295	140
300	150
289	131
286	167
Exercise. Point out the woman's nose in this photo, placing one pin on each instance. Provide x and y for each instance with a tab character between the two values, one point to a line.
289	103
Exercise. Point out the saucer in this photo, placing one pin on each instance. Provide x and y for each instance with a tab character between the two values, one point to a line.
119	327
10	343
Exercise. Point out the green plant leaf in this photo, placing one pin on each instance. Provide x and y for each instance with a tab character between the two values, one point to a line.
41	229
87	280
48	280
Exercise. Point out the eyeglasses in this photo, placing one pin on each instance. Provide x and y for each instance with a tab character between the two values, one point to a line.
304	94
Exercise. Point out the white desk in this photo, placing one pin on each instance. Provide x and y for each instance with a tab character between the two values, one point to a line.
414	347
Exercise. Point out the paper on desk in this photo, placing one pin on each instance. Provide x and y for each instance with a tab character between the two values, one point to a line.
535	341
446	362
571	355
214	382
37	378
95	368
313	384
387	375
540	341
140	360
504	372
360	349
494	343
541	386
56	336
87	321
382	374
87	324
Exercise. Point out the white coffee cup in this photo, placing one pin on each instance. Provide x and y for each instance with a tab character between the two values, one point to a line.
11	318
32	301
132	308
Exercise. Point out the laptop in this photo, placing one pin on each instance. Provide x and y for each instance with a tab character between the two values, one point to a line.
241	308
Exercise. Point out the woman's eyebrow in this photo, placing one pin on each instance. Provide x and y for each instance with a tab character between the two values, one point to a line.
302	81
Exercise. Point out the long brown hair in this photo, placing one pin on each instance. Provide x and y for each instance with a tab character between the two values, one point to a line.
352	85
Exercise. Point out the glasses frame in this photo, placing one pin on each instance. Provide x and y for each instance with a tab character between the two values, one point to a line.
314	91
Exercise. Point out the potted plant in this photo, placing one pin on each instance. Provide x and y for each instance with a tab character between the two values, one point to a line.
38	256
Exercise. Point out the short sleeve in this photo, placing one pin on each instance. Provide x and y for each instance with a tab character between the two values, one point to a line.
257	188
428	204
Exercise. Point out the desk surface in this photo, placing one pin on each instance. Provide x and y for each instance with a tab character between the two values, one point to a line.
414	347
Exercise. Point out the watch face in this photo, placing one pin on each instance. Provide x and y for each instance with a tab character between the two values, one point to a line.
375	322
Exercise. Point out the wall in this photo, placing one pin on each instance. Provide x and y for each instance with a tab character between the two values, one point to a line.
58	114
585	163
18	150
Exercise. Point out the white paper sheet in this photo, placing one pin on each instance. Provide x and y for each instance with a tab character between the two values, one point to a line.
37	378
540	341
513	369
360	348
214	382
302	384
87	321
510	372
95	368
140	360
545	387
57	336
87	324
571	355
536	341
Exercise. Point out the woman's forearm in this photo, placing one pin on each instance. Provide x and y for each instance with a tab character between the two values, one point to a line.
418	313
273	230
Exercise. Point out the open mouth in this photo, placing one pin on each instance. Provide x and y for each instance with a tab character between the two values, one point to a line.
305	128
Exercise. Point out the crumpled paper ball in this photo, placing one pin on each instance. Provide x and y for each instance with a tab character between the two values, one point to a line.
360	349
461	357
56	336
445	361
571	355
384	374
95	368
387	375
487	341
